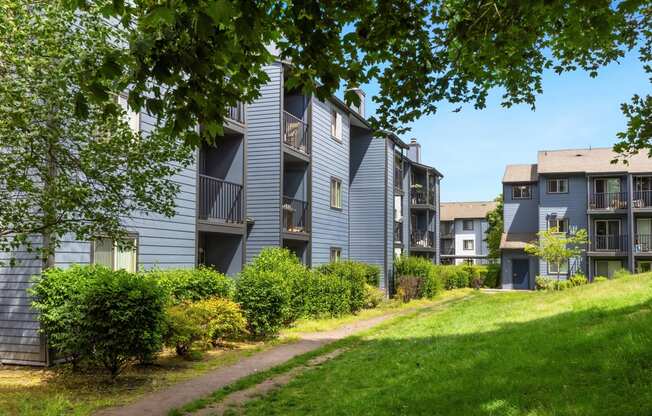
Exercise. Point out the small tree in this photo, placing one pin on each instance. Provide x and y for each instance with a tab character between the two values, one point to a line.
557	248
495	229
69	166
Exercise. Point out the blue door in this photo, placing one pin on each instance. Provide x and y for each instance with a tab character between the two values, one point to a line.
520	273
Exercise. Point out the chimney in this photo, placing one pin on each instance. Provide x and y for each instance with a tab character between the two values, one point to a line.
358	108
414	153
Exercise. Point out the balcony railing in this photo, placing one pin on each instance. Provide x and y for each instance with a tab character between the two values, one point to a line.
642	199
295	133
448	250
643	243
421	197
398	180
610	242
422	238
220	200
237	113
608	200
398	232
295	215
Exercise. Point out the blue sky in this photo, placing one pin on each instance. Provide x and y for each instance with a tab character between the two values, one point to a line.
472	147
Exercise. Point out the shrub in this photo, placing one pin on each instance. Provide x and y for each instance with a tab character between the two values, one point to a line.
355	274
455	277
189	285
578	280
285	264
620	273
325	295
409	287
372	296
432	284
111	317
372	274
413	266
209	321
543	283
492	276
265	299
600	279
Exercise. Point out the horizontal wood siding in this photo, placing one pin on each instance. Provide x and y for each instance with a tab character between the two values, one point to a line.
264	165
330	158
367	199
19	337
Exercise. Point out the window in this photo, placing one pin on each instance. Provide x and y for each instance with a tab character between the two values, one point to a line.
607	185
336	125
468	244
336	254
606	268
115	256
521	192
563	268
557	186
467	225
336	193
133	118
561	224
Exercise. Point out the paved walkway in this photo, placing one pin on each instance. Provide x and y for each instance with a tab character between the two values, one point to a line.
161	402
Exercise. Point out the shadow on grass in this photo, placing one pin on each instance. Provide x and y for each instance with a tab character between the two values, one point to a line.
596	361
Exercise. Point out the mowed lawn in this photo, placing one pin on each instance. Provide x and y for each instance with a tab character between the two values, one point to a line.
586	351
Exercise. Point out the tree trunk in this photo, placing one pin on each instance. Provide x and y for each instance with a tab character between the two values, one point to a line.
49	214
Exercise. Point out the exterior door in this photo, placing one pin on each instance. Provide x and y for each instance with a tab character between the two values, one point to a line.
607	235
643	234
520	273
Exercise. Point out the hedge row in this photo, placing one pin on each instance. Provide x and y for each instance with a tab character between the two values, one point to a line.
111	318
418	277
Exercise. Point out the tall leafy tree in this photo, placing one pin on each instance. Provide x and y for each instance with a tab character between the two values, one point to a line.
188	59
495	228
66	168
558	248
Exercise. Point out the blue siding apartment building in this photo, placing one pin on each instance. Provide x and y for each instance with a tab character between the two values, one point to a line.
291	171
463	232
578	189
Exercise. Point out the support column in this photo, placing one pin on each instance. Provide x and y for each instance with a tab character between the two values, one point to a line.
631	262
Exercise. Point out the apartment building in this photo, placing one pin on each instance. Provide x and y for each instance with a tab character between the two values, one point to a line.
463	232
290	171
578	189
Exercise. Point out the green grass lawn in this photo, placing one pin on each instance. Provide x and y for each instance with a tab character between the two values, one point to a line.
586	351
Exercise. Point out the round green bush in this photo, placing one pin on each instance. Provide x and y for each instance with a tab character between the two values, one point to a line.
184	285
108	317
355	274
326	295
265	299
373	296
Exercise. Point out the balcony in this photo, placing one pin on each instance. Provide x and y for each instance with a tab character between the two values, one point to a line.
398	232
421	197
448	250
398	180
643	243
220	200
642	199
616	243
422	239
295	215
608	201
295	133
237	113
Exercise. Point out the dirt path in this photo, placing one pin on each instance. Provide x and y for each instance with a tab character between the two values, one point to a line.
161	402
235	402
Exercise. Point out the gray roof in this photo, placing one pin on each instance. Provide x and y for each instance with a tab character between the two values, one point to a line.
520	173
458	210
590	161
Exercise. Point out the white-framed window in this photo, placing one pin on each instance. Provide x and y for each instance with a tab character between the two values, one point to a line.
561	224
336	125
468	244
336	193
109	253
336	254
554	268
133	117
523	191
558	186
467	225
